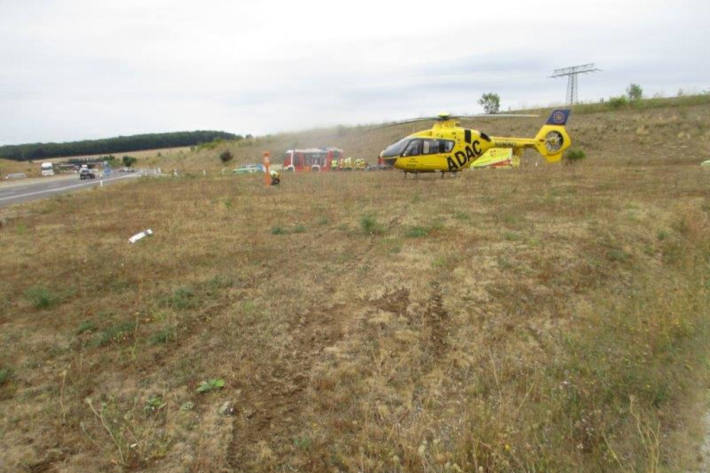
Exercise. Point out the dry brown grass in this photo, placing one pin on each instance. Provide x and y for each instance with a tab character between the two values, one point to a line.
146	154
8	166
549	318
669	132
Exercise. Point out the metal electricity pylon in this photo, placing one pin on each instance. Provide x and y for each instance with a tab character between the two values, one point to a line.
572	73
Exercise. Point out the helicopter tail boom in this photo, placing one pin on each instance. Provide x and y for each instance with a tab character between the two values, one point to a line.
551	141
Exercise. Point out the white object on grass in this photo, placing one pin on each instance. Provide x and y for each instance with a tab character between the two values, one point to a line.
140	235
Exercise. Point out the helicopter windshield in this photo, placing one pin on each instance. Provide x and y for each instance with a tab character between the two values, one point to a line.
395	149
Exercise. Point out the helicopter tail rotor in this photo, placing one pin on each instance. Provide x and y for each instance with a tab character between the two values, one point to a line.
552	139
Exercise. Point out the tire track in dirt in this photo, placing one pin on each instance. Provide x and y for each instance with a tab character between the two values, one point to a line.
437	318
434	318
270	415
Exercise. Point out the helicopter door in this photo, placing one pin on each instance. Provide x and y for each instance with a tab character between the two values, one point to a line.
431	148
445	146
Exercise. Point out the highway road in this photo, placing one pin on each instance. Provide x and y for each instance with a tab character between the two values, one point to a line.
23	191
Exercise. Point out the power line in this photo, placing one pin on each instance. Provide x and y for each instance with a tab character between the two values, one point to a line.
572	73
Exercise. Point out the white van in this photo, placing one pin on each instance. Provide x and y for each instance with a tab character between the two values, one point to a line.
47	169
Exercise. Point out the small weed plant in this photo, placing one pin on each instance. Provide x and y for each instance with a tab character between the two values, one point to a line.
86	326
370	225
115	333
5	375
42	298
575	154
210	385
416	232
154	404
182	298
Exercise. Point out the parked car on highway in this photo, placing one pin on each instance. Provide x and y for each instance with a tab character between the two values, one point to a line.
86	173
249	169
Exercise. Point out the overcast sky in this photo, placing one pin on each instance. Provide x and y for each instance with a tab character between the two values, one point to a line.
91	69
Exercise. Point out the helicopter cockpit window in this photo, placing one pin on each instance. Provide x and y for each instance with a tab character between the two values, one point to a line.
395	149
445	146
413	149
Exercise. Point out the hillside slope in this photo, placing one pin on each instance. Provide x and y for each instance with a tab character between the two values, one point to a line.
672	131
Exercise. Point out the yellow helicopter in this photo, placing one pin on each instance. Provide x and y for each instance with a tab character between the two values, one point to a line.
448	147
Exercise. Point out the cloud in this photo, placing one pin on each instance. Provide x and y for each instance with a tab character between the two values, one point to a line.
83	69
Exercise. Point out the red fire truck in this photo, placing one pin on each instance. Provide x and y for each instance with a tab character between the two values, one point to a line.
311	159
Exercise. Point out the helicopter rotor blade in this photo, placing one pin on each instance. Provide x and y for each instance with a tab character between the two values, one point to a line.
499	115
455	117
452	117
405	122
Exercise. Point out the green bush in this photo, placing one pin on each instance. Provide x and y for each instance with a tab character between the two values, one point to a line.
618	102
369	225
226	156
129	161
41	297
575	154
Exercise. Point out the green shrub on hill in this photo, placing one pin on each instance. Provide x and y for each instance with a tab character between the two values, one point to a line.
574	154
618	102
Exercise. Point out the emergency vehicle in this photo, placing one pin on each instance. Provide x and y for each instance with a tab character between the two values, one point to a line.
312	159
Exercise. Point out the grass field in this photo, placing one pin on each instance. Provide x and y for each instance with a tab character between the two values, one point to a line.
550	318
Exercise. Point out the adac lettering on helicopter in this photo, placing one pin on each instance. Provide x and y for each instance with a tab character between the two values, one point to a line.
460	158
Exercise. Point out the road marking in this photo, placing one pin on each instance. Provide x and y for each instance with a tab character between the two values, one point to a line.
57	189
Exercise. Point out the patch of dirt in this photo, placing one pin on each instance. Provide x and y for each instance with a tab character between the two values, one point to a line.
395	301
269	417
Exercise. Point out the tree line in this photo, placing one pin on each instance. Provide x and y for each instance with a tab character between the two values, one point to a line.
29	151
